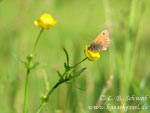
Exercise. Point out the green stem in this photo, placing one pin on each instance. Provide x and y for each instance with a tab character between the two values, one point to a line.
41	107
28	67
26	90
79	63
37	39
45	100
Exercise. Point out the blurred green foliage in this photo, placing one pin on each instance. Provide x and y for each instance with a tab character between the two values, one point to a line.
78	23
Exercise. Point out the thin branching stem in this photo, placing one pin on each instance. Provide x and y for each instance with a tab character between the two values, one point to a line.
37	39
45	100
26	90
29	67
79	63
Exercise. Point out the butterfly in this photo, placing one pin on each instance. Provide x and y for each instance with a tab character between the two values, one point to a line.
101	42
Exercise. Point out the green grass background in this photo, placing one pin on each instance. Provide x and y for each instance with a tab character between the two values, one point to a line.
78	23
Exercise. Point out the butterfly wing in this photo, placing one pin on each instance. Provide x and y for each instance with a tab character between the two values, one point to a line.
101	42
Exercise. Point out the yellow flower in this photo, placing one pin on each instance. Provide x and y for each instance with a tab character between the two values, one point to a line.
92	55
46	21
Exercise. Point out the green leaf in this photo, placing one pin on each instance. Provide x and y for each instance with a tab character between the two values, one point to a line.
35	65
65	65
20	60
77	73
61	77
67	55
75	86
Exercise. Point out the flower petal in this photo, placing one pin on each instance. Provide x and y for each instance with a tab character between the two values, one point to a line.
92	55
46	21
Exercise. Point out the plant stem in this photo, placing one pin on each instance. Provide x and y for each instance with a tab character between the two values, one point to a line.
79	63
41	107
37	39
28	67
26	90
45	100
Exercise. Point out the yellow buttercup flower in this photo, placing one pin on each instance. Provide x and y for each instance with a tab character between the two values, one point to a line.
92	55
46	21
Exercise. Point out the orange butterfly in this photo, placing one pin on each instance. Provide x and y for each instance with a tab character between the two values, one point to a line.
101	42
